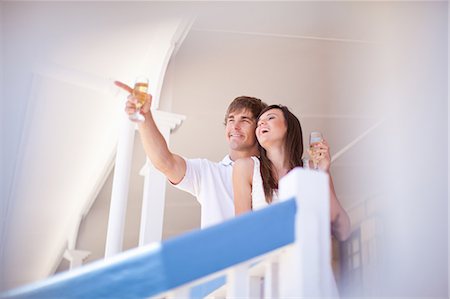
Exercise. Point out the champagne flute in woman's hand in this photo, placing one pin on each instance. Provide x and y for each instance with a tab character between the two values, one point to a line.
314	138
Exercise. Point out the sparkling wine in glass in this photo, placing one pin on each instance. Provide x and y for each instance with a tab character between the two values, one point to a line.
314	138
140	92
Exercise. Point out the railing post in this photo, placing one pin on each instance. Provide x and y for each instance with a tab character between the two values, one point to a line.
238	281
271	278
308	273
255	287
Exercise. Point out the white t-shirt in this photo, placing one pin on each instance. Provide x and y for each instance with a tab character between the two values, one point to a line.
211	183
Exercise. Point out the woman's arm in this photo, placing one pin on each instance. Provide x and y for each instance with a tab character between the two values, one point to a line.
242	185
340	222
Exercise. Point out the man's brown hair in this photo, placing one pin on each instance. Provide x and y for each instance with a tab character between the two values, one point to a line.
254	105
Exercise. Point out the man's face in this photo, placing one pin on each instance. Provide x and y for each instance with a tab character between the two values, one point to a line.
240	130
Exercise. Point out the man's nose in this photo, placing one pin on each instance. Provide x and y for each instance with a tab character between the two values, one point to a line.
236	126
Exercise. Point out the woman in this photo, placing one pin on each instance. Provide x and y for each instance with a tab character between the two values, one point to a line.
255	181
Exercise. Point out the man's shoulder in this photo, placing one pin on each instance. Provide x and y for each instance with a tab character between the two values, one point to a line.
206	163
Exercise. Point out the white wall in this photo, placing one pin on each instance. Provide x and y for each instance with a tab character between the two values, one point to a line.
2	143
416	149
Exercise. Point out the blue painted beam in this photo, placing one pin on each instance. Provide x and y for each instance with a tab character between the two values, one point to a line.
150	270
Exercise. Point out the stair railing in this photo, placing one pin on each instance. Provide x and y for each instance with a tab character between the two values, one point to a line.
282	251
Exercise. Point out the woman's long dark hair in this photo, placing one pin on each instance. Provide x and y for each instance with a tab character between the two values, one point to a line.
294	151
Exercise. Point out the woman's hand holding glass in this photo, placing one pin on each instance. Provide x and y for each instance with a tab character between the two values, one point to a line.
324	158
319	152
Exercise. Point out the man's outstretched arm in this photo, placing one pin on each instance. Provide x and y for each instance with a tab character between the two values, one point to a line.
171	165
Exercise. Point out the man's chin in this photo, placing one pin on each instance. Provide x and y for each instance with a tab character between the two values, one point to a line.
234	146
239	147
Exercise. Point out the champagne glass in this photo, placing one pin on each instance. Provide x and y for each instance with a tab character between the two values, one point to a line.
140	92
314	138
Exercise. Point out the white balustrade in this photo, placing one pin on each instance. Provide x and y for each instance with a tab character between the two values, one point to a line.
299	270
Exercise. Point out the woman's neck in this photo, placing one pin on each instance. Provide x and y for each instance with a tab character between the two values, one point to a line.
277	155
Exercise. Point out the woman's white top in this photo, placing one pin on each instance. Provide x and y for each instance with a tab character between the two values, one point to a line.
258	197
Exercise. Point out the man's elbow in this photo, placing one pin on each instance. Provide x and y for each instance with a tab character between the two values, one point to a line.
172	169
162	166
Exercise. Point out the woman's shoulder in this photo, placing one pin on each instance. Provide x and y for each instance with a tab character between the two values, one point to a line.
243	169
244	163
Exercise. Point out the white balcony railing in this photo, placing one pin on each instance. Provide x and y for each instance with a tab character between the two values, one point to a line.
278	252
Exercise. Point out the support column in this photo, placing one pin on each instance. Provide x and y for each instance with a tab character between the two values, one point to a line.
155	185
119	196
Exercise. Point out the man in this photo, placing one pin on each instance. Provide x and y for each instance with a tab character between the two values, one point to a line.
209	182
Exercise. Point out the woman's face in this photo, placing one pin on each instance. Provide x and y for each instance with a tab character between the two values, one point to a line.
271	128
